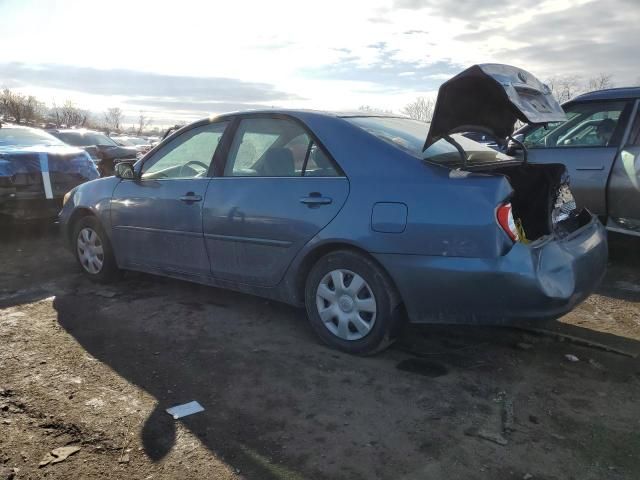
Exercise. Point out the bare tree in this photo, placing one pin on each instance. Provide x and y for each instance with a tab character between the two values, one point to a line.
143	122
22	108
601	81
420	109
113	118
565	88
71	116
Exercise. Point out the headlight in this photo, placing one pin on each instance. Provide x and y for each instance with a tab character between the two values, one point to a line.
67	196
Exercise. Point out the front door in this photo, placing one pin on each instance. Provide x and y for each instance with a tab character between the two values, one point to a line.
279	189
157	219
587	144
624	184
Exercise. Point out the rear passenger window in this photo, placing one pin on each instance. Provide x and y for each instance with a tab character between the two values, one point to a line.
273	147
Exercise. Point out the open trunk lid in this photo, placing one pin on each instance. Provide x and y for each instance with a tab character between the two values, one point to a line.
491	98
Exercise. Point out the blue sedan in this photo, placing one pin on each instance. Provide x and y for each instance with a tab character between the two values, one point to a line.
355	217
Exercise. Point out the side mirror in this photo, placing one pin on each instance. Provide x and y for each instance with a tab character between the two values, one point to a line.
125	171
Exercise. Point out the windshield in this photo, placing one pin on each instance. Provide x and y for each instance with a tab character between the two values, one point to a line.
85	139
409	135
26	137
122	141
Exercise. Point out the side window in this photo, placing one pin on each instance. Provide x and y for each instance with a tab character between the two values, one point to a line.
535	137
187	156
589	124
273	147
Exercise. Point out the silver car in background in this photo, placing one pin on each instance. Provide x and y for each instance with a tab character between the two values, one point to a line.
600	146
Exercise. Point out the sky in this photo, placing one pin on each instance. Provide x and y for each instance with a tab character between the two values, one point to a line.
184	60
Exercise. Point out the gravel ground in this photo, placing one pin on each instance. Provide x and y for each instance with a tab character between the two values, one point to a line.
96	367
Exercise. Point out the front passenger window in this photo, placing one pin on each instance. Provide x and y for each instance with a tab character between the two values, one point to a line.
187	156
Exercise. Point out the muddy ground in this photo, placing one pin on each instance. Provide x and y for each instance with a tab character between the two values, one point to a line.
96	367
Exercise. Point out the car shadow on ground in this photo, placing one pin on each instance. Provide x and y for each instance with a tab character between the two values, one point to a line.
278	404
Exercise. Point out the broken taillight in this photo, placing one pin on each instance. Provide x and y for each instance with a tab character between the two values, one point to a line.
504	216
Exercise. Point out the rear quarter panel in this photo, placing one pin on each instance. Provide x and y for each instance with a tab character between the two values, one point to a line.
449	213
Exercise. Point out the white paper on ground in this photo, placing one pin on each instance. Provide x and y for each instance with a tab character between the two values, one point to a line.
185	409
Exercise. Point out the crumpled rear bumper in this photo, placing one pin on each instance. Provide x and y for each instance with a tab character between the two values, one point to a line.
541	280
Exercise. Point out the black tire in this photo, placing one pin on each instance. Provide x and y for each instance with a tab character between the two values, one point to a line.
109	270
388	315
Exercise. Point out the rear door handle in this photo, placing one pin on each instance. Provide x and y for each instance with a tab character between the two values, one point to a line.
190	197
588	169
315	199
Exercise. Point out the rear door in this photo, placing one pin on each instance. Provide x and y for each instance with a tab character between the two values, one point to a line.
279	188
587	143
624	184
157	219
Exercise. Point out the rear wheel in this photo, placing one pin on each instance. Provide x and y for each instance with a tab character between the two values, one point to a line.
351	303
93	250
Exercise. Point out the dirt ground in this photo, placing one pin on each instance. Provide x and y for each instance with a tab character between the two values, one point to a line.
96	367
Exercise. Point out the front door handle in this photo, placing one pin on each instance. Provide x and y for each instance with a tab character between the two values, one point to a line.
190	197
315	199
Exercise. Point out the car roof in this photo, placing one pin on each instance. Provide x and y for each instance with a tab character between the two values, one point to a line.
74	130
326	113
620	93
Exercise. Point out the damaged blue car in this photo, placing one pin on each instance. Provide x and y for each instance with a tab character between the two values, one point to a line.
365	220
36	170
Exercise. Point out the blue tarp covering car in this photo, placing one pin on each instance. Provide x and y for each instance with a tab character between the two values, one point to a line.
36	170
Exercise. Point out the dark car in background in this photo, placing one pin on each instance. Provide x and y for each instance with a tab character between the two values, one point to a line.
355	217
104	151
600	145
36	171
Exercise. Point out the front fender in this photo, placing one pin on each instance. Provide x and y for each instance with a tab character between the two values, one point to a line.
89	198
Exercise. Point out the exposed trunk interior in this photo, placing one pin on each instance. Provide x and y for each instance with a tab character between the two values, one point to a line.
536	190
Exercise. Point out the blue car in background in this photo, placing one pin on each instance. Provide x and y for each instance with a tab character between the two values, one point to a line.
356	217
36	170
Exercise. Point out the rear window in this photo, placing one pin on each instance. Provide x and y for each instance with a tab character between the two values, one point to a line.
409	135
26	137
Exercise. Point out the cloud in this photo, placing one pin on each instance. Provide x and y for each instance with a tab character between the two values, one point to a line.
384	72
189	107
363	55
127	83
470	10
584	40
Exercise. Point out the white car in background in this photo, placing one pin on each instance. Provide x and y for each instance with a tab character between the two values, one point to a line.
140	144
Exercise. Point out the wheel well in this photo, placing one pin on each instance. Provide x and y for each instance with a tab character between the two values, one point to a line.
312	257
75	216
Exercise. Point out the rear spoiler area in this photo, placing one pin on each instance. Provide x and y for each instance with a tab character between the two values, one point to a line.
491	98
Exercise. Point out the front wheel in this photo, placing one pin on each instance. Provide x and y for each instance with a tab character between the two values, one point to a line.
351	303
93	250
